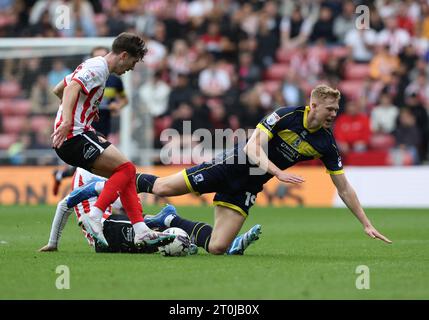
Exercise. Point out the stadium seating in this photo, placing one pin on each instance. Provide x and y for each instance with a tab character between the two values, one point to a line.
277	72
9	89
284	56
14	124
382	141
272	86
368	158
19	107
339	52
6	140
356	71
351	88
40	122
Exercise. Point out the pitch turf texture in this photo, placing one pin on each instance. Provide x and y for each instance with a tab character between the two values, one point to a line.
302	254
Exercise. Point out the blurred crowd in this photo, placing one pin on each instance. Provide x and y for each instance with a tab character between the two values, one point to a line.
227	63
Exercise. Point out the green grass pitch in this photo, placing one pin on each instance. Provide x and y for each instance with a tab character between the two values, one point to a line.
302	254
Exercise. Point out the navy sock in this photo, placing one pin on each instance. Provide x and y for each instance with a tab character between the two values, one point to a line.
199	232
145	182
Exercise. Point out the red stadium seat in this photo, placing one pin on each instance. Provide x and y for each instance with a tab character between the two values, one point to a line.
6	140
284	56
272	86
38	123
368	158
10	89
351	88
382	141
20	107
14	124
356	71
4	106
339	52
277	71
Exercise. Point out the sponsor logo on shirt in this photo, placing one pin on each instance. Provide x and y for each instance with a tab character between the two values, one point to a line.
272	119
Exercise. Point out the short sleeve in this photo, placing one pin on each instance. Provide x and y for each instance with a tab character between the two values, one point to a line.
89	77
332	160
276	121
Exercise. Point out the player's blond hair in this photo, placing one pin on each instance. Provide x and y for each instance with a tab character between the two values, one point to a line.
324	92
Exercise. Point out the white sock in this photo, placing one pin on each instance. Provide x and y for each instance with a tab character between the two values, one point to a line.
99	186
140	227
96	213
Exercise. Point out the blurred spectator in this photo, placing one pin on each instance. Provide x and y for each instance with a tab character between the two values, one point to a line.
82	19
179	61
420	88
51	7
213	39
393	36
307	66
43	27
30	70
415	106
156	56
375	20
154	95
267	43
291	91
386	8
248	72
181	93
58	72
409	56
256	103
361	42
16	150
272	18
43	100
249	19
424	22
408	135
295	29
383	64
345	23
214	81
384	116
352	129
323	29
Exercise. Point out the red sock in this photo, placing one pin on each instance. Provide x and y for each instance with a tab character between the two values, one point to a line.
121	177
131	203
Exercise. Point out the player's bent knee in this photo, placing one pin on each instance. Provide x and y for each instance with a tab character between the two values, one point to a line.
128	168
218	248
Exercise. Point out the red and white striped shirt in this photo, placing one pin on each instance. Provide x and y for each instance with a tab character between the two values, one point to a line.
92	75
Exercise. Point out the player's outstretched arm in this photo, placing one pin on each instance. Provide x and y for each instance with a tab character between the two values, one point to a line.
255	150
349	197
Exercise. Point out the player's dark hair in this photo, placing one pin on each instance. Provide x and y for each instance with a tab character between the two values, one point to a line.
130	43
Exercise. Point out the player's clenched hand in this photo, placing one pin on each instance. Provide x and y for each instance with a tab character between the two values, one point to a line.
60	134
373	233
48	248
289	178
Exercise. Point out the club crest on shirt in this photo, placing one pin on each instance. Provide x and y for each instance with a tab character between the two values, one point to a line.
272	119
